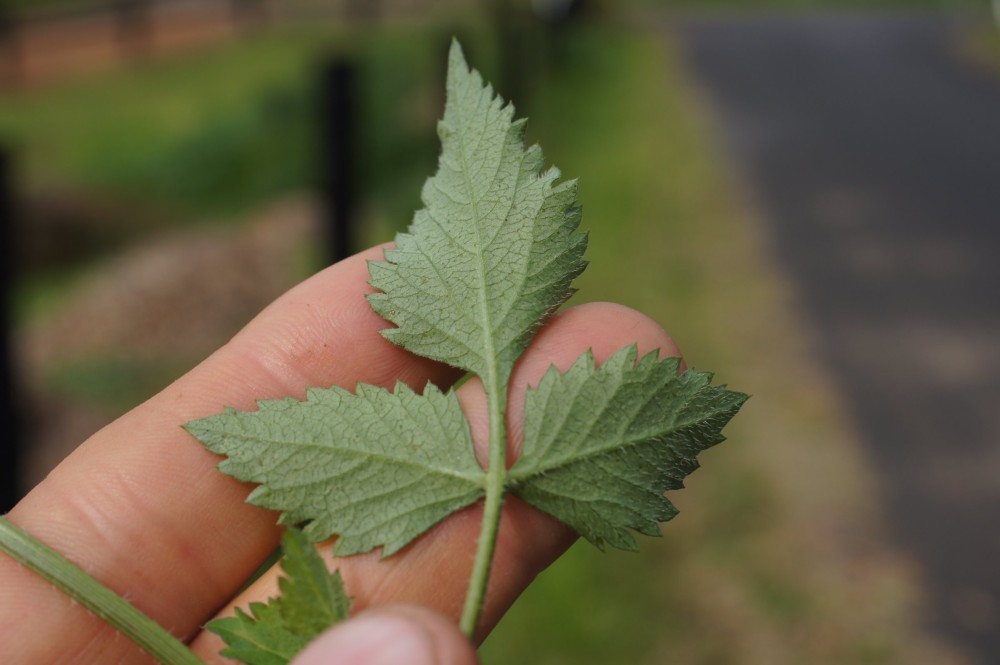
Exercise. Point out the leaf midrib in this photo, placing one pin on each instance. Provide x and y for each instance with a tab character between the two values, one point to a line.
489	355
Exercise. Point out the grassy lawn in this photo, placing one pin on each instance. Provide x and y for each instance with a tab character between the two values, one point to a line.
776	556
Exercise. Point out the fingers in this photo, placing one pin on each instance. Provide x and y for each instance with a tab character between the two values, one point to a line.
434	570
395	635
141	507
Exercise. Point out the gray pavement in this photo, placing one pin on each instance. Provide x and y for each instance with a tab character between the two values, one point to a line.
873	152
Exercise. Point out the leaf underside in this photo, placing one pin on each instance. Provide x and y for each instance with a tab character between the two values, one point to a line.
495	249
312	599
374	467
602	445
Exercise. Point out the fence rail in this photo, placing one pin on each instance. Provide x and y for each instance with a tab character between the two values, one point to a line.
42	42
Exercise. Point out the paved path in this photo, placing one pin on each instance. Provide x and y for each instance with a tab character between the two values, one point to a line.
874	152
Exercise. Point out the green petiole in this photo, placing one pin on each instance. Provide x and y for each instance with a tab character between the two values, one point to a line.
496	475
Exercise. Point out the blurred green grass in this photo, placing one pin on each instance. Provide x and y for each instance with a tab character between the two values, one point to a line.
219	131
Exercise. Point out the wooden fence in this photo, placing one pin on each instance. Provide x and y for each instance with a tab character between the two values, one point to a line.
54	40
48	42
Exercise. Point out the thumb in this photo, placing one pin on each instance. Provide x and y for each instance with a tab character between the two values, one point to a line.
391	635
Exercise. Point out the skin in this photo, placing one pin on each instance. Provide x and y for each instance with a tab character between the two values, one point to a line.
141	507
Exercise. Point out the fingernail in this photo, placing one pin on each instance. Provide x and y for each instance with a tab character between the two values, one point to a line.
371	640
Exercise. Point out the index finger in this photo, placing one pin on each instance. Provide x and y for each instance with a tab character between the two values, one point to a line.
140	505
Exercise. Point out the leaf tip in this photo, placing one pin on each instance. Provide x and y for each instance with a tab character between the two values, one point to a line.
455	51
457	64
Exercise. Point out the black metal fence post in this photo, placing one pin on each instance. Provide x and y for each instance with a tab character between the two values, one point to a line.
361	11
10	443
10	47
248	14
133	26
338	126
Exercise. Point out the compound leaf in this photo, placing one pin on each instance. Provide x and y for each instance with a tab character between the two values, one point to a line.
312	599
494	250
377	468
601	445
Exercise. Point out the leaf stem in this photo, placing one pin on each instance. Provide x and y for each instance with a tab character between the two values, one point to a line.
496	475
99	599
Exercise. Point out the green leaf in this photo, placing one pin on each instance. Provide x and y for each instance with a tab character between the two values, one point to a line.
312	599
494	250
375	467
258	638
601	445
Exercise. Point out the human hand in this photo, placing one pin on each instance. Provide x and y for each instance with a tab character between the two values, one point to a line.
141	507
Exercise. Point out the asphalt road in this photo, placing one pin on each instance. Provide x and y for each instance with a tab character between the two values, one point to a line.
873	151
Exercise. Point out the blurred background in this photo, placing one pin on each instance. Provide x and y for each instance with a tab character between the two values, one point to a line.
804	192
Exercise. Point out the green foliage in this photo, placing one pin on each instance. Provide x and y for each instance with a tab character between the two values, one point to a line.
312	599
161	133
233	160
491	255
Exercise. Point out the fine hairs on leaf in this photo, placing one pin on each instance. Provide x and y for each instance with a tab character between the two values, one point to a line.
492	254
